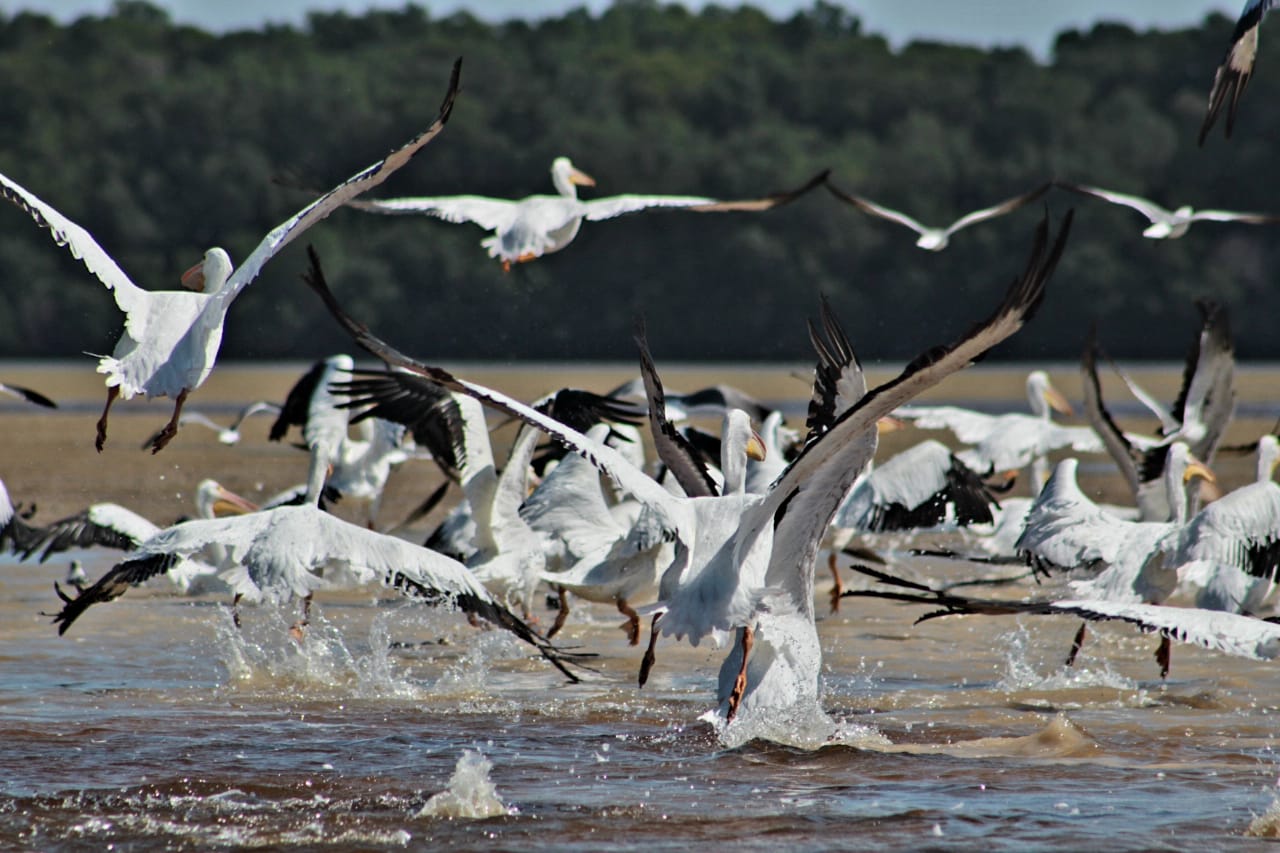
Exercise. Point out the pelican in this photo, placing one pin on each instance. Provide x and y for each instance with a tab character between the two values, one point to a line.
1199	416
288	552
28	394
745	563
1169	224
936	239
538	225
171	337
1011	441
1231	77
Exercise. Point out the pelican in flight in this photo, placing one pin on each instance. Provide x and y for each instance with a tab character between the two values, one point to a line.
936	239
1231	77
745	563
1169	224
171	337
228	435
538	225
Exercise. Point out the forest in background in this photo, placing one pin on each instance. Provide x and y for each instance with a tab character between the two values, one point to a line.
163	140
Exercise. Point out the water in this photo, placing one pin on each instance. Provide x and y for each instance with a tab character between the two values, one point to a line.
155	724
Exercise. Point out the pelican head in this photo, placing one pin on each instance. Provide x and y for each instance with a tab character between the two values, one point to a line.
1042	394
210	274
566	177
1192	467
1268	457
213	500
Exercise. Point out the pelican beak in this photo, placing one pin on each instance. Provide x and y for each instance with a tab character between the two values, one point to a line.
229	503
581	178
1196	468
1057	402
755	447
889	424
193	279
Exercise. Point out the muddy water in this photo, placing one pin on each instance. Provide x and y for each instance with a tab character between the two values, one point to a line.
155	724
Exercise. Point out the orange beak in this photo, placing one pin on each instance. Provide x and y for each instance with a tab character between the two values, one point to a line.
581	178
193	279
1057	402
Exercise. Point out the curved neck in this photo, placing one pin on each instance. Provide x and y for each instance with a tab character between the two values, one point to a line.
563	185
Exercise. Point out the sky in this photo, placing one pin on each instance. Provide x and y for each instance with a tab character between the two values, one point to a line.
1028	23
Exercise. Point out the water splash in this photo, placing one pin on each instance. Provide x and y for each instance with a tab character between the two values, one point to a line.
1022	671
470	793
1267	824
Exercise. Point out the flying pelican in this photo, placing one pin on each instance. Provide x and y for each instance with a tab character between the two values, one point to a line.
1231	77
541	224
745	563
1199	416
289	552
28	394
936	239
1169	224
171	337
1010	441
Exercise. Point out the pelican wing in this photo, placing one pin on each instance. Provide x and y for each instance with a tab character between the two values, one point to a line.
1206	400
812	466
80	243
1006	206
491	214
364	180
868	206
681	458
1146	207
611	206
968	426
1231	77
1230	633
31	396
106	524
1235	216
1126	456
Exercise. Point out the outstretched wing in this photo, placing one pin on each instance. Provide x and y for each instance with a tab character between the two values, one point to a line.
611	206
1231	77
366	179
28	394
491	214
1006	206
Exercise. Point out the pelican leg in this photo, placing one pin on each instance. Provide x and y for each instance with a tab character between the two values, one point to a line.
171	428
646	662
1076	644
740	683
112	393
235	609
562	614
633	622
1163	652
838	589
295	630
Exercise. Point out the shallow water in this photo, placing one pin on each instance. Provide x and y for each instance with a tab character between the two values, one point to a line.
154	723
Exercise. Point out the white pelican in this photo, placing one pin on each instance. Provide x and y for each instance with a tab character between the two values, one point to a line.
538	225
289	552
1169	224
1231	77
1230	633
1011	441
744	562
936	239
28	394
1198	418
171	337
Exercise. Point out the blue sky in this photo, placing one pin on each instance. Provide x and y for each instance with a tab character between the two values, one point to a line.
983	22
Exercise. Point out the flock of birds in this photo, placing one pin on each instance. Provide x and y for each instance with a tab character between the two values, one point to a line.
717	537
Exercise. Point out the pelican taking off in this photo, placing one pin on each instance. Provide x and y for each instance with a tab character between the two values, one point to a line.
1233	74
541	224
171	337
1169	224
936	239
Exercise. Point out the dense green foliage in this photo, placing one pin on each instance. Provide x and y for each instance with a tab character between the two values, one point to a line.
163	140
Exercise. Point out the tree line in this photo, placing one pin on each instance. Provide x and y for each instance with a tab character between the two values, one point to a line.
164	140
